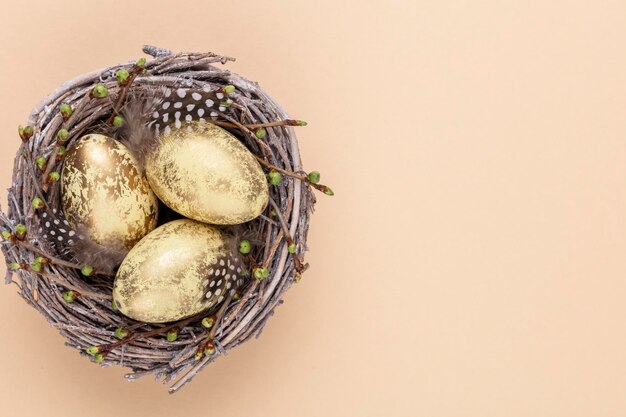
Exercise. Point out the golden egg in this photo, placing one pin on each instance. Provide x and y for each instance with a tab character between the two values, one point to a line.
104	193
203	172
178	270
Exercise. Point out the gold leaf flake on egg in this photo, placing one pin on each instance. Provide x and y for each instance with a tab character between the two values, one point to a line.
104	193
203	172
180	269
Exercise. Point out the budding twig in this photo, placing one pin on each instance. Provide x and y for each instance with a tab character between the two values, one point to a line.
137	69
51	259
207	343
296	260
104	349
66	284
287	122
302	177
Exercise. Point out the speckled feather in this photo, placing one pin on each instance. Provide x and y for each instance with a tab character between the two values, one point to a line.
180	105
75	244
147	117
55	230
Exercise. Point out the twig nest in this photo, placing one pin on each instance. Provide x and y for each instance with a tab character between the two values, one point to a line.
203	156
178	270
181	271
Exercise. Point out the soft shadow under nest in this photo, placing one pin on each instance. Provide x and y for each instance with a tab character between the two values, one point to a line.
90	320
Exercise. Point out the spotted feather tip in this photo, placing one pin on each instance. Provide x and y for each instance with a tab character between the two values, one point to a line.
75	244
104	259
148	117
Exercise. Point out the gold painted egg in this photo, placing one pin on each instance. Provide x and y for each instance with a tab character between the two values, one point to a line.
178	270
104	193
204	173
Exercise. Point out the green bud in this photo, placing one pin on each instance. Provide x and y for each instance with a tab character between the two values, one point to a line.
237	296
172	335
292	248
92	350
122	75
328	191
141	62
121	333
36	267
14	266
245	247
41	260
208	322
209	349
301	123
54	176
261	133
41	162
20	231
275	178
297	277
100	91
38	203
7	235
62	136
261	273
66	110
118	121
69	296
314	177
87	270
228	89
273	213
25	132
114	306
61	152
98	357
199	354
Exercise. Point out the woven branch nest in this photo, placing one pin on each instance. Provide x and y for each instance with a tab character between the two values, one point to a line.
90	320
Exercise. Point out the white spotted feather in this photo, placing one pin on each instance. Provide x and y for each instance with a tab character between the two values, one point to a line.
145	118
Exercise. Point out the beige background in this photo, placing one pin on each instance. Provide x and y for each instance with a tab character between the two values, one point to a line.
473	260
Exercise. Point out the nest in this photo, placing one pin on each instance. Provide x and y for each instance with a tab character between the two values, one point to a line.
91	320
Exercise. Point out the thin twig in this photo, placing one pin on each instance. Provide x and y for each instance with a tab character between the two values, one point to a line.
288	122
67	285
53	259
301	177
244	299
144	335
122	97
287	235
